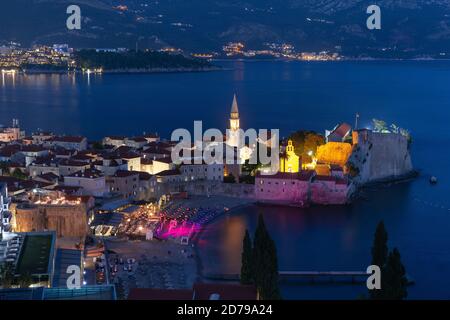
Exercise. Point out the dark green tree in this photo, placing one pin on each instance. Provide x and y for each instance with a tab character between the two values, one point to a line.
97	145
380	248
120	290
229	179
25	280
266	263
393	280
6	275
379	256
17	173
247	266
270	281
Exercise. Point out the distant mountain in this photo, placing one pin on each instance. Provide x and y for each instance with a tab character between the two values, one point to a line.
409	27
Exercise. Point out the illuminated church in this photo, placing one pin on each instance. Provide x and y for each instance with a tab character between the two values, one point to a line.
289	161
233	131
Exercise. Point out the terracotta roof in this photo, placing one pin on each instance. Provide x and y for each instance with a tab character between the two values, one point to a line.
67	189
9	150
32	148
144	175
164	173
84	199
73	139
49	176
138	139
156	150
151	135
146	161
129	155
342	130
48	160
72	163
115	137
164	160
89	174
125	173
304	175
81	157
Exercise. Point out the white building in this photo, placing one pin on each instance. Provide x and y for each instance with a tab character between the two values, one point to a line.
210	172
5	214
156	166
67	142
115	141
92	182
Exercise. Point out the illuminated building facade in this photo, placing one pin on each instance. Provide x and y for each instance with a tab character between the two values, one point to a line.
289	161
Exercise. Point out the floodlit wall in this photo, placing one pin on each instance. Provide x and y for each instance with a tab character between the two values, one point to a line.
380	156
334	153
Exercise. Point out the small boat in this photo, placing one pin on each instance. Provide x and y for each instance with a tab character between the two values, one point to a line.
433	180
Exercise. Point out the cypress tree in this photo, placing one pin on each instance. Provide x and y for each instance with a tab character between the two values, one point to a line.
394	284
270	289
380	249
259	245
265	263
247	266
379	256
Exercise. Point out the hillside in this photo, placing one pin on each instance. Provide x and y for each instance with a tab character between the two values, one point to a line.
409	27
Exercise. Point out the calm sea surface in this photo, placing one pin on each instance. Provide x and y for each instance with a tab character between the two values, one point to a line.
289	96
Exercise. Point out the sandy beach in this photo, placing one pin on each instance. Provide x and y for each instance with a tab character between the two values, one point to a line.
164	263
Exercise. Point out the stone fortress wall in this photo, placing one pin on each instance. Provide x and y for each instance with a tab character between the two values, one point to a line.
378	157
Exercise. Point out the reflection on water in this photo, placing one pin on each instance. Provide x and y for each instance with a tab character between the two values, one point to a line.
287	96
416	215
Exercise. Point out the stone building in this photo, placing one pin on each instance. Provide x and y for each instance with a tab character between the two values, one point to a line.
301	189
284	187
67	219
379	156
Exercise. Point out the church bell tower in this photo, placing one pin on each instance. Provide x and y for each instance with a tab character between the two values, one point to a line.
233	133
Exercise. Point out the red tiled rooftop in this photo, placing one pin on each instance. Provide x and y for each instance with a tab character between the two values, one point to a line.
169	173
138	139
115	137
342	129
129	155
125	173
304	175
146	161
72	139
72	163
89	174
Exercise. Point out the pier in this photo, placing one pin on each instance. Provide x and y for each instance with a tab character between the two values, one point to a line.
325	276
311	277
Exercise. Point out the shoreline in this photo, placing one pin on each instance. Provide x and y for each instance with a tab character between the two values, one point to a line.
197	236
123	71
126	71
